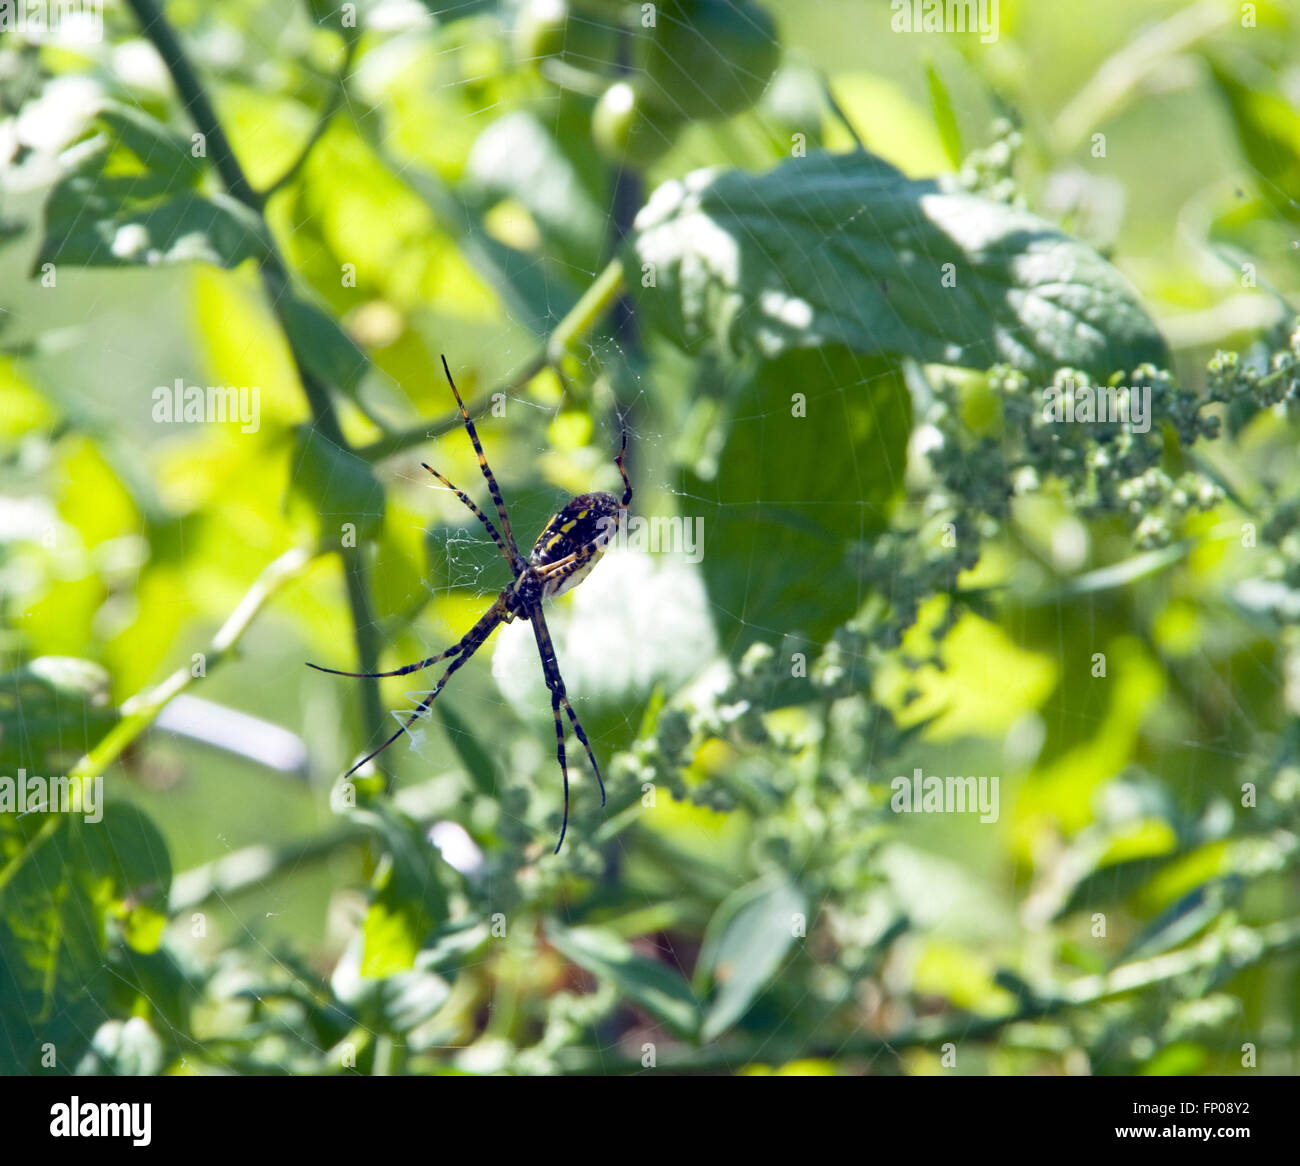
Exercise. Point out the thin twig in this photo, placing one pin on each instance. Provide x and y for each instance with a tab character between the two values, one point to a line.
403	439
139	711
332	106
837	109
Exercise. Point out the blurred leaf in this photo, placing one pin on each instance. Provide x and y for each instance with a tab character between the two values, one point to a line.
338	485
843	249
97	219
61	880
944	118
324	348
553	171
795	496
410	998
1268	130
49	709
744	947
642	982
464	742
1191	914
124	1048
407	896
161	151
129	856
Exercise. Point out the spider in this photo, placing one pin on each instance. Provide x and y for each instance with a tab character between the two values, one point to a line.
563	555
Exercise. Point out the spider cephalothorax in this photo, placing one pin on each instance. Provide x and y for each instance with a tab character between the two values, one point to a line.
564	553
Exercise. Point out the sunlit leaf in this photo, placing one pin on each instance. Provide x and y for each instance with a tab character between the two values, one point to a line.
843	249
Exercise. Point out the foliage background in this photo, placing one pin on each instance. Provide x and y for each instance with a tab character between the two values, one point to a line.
234	913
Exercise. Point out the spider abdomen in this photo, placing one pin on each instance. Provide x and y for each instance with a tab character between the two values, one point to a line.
573	540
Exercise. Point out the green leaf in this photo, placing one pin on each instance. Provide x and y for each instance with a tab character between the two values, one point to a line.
340	486
50	710
161	151
129	855
1268	130
944	118
1190	915
844	249
464	741
642	982
325	349
744	947
95	218
407	900
796	498
63	879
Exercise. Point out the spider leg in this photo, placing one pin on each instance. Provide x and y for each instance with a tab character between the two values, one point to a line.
555	682
468	645
564	769
497	500
582	736
568	564
483	518
561	565
627	486
396	671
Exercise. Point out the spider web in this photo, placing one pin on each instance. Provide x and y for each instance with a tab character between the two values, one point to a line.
503	694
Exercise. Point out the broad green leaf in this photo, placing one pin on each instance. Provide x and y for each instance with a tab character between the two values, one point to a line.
844	249
797	497
322	345
339	486
744	947
129	856
62	880
49	710
160	150
95	218
643	982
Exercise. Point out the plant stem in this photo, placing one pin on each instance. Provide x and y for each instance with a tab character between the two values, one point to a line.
154	26
402	439
139	711
337	93
279	289
582	318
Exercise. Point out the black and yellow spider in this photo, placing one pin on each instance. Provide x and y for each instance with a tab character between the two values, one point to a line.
562	556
